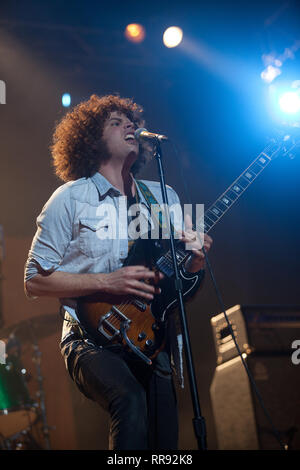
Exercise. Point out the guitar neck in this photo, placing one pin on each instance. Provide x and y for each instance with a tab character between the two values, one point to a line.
216	211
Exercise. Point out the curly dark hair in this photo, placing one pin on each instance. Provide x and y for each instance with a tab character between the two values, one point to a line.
77	147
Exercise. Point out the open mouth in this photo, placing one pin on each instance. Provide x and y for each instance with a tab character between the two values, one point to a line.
130	137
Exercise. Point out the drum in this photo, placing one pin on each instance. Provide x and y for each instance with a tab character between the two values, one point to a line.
21	441
17	410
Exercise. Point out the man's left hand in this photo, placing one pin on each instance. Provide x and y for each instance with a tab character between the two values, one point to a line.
190	236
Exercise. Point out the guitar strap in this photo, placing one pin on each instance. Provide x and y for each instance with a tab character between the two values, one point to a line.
146	192
154	205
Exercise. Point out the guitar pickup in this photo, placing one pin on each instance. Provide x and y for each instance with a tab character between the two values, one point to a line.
139	304
165	266
120	314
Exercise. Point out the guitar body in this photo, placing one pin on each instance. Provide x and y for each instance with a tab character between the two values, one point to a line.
110	319
102	318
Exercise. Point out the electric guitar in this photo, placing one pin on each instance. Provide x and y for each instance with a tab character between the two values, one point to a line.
140	325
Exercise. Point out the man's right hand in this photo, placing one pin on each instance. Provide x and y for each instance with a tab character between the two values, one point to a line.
129	280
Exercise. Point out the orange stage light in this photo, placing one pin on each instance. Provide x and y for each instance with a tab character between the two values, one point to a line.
135	32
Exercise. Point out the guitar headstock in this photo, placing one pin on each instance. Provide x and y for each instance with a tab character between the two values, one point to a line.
286	143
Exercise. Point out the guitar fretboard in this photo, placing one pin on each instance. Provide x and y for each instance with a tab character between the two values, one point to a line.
214	213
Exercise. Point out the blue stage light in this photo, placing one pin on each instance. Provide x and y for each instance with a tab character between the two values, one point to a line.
66	100
284	102
289	102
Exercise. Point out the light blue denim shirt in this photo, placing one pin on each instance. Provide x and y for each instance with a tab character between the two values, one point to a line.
67	236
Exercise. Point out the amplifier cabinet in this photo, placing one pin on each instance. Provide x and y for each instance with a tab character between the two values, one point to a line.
265	341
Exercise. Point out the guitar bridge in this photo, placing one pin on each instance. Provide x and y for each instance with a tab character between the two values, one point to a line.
108	326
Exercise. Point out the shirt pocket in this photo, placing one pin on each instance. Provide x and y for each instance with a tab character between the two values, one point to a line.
90	242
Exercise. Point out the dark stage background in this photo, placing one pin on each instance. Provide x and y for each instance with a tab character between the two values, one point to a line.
208	97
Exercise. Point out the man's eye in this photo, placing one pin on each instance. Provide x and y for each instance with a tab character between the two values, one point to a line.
115	123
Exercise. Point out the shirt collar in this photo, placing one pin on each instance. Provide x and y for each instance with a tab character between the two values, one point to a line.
104	186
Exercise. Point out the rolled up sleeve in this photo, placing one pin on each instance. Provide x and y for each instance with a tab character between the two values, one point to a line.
53	235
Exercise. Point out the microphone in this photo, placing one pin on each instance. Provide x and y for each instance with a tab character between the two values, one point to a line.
143	134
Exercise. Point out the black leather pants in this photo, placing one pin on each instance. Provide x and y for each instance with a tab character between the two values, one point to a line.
140	399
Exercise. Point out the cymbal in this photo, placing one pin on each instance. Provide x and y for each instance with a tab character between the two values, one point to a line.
34	328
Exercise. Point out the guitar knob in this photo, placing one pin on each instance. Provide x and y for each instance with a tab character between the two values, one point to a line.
142	336
149	343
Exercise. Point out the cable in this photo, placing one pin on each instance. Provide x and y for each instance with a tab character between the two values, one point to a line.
251	378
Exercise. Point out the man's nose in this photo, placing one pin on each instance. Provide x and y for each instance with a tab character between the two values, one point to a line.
129	125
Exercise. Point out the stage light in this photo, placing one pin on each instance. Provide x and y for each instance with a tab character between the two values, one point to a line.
135	32
66	100
284	103
172	36
289	102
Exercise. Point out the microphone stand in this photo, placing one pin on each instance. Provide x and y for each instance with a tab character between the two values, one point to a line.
198	420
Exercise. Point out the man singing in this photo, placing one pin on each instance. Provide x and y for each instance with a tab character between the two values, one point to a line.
95	153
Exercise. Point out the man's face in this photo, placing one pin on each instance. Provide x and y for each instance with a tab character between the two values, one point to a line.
118	135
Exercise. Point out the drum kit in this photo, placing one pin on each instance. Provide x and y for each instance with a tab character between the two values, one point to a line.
23	419
20	414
